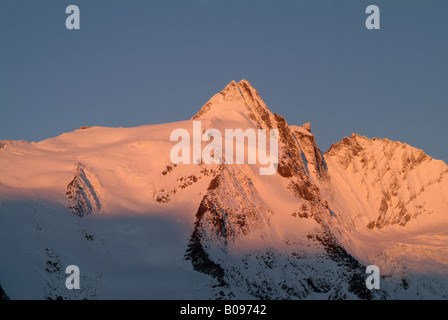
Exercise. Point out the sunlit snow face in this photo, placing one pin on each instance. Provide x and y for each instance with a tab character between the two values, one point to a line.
212	153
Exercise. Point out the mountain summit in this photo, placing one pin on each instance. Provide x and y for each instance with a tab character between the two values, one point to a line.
238	99
110	201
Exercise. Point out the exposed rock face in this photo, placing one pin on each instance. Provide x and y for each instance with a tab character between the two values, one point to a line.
82	192
311	155
303	267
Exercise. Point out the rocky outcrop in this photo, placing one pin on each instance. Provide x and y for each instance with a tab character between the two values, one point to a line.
83	192
311	155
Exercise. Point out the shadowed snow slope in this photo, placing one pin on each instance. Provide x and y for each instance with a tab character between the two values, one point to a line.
110	201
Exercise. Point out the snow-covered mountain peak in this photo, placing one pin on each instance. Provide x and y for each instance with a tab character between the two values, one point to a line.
111	201
390	204
238	100
400	182
360	147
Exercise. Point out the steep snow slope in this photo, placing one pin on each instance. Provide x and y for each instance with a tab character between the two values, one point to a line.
262	236
391	204
110	201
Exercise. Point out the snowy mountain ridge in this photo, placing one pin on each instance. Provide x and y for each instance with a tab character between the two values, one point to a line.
110	201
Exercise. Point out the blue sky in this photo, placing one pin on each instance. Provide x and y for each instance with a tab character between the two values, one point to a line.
146	62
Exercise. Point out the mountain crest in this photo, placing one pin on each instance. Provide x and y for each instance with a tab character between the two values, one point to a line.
241	98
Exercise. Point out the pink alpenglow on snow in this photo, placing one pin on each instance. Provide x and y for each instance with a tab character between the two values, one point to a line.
212	153
124	206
